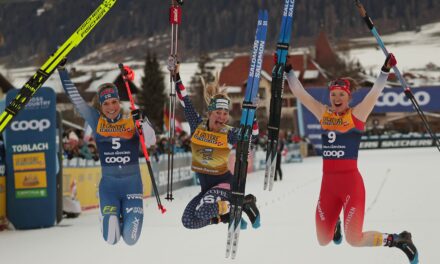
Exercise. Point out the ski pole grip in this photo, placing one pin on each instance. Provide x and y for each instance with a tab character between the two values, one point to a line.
175	15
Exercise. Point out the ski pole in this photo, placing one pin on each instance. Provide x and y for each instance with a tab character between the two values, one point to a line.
406	88
125	77
43	73
175	18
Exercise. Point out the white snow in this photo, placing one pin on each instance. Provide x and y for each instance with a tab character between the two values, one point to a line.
413	50
402	194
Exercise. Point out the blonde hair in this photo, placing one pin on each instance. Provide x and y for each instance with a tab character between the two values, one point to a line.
213	90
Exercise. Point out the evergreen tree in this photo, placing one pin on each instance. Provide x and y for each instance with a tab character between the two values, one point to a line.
152	97
196	85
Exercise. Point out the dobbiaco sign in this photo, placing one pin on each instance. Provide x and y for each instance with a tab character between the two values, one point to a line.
30	143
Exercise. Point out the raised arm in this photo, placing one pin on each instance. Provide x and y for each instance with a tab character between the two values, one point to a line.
306	99
90	114
191	115
364	108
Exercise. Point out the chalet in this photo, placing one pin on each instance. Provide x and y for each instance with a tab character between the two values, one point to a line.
234	78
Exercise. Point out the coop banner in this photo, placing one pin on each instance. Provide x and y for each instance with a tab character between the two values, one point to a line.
30	142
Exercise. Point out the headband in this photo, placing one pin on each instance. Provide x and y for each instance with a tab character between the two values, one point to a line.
107	91
341	84
218	103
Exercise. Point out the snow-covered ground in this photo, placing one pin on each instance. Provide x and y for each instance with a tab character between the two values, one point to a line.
413	50
402	194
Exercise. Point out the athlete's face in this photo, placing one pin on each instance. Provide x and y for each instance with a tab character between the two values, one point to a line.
339	100
111	108
217	119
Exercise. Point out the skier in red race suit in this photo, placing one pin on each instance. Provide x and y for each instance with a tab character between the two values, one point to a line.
342	186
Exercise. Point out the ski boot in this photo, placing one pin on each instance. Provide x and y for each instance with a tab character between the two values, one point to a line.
404	242
337	237
225	220
250	208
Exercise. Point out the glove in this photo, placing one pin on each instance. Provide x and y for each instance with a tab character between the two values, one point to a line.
136	115
288	68
255	128
172	64
62	63
128	73
180	90
389	63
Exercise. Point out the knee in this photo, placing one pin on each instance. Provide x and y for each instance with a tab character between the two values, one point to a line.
353	240
110	229
323	241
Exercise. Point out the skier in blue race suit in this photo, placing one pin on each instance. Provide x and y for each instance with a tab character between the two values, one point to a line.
120	188
211	142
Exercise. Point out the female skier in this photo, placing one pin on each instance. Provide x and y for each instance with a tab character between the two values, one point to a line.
342	186
120	188
211	142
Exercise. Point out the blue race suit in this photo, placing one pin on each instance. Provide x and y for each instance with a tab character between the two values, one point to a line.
120	188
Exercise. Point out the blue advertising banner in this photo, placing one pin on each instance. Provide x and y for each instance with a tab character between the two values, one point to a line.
30	142
391	100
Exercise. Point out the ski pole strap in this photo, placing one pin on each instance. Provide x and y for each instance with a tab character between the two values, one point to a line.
175	15
282	46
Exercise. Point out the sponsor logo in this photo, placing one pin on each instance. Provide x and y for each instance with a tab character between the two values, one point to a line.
134	210
135	228
122	160
175	15
349	217
285	10
260	59
291	8
320	212
253	60
109	209
208	137
134	196
393	99
333	153
24	125
407	143
38	103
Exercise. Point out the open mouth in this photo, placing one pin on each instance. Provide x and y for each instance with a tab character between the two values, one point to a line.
338	104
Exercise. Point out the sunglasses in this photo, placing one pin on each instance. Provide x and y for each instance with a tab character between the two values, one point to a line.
339	82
